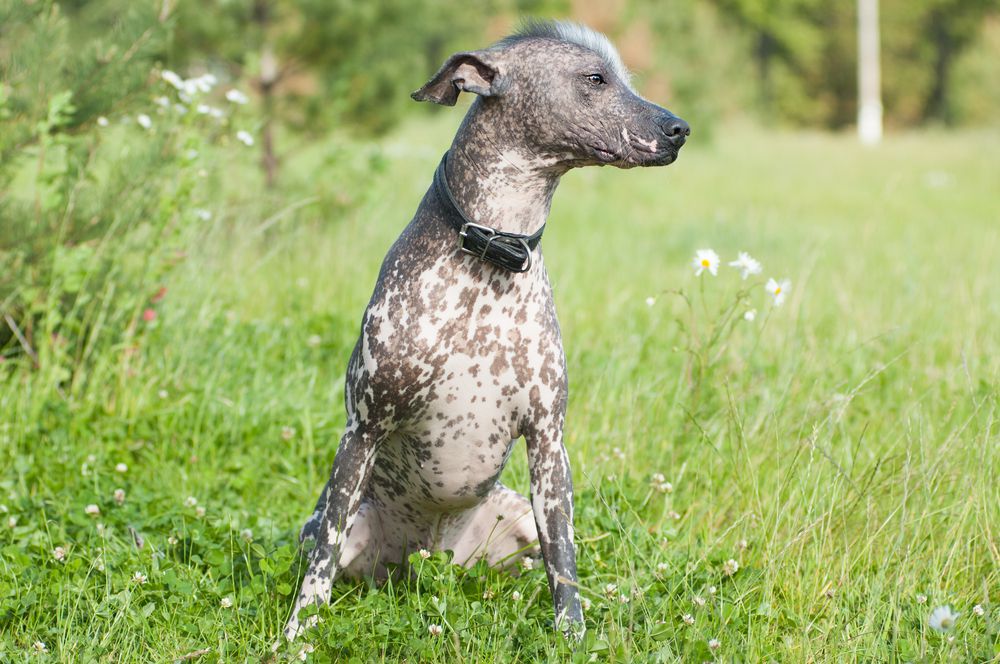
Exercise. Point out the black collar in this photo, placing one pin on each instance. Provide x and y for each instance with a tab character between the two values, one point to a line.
511	251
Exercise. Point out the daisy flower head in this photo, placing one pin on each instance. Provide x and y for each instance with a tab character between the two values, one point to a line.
746	264
705	259
778	290
942	619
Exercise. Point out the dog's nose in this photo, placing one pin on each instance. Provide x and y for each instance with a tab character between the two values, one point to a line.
676	130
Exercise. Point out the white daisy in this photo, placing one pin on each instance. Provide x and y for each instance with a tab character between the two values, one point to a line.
746	264
942	619
705	259
778	289
244	137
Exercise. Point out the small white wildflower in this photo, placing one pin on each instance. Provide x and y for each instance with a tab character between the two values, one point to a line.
59	553
617	453
714	644
40	646
516	596
3	509
746	264
730	567
673	515
610	590
171	540
203	214
247	535
12	522
527	563
172	78
942	619
236	97
100	528
163	394
244	137
162	102
623	599
199	511
287	433
750	315
120	496
921	598
435	630
585	603
305	650
190	501
778	289
102	121
688	619
705	259
226	602
144	121
139	578
698	600
650	301
424	553
979	610
711	590
121	468
488	594
742	545
92	510
662	567
313	341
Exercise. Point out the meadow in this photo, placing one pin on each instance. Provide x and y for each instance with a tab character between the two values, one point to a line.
805	486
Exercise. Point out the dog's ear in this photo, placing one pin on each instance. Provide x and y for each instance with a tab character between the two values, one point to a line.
468	71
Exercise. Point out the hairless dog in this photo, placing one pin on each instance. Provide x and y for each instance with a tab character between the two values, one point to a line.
460	352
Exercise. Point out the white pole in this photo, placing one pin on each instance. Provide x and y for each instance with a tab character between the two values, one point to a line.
869	74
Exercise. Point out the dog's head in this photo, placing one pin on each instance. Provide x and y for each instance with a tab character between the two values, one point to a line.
562	90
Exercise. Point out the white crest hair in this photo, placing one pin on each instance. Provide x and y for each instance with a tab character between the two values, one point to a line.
574	33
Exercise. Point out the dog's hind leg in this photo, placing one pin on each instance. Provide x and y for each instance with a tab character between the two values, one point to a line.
348	478
501	530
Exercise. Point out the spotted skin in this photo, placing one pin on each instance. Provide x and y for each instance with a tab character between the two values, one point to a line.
457	358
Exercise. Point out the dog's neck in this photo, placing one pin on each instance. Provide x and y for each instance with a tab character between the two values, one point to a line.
496	182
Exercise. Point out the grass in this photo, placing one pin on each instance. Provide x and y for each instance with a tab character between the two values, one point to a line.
842	448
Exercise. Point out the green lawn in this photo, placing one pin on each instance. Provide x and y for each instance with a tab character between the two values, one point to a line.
843	449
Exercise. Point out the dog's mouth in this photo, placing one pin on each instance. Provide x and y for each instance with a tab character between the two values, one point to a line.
634	155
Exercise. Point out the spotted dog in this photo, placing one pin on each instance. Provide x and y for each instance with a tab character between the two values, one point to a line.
460	353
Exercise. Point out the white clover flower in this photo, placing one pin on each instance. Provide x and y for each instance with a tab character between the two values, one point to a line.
287	433
488	594
190	501
102	121
100	528
59	553
705	259
650	301
688	619
203	214
516	596
673	515
237	97
199	511
314	340
247	535
979	610
139	578
3	509
778	289
121	468
617	453
12	522
305	650
730	567
750	315
585	603
714	644
92	510
163	394
623	599
711	590
171	540
244	137
527	563
435	630
120	496
144	121
424	553
226	602
698	600
662	567
172	78
40	646
746	264
942	619
921	598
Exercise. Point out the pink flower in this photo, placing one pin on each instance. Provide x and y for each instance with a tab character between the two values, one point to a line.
149	315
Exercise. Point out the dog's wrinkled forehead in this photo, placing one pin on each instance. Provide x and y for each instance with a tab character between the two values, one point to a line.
573	33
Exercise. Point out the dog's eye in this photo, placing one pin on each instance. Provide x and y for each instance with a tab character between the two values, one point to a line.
596	79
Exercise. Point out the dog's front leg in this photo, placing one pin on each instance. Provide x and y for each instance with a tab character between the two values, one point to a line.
348	478
552	505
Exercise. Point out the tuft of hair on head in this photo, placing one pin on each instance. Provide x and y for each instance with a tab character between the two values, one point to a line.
573	33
